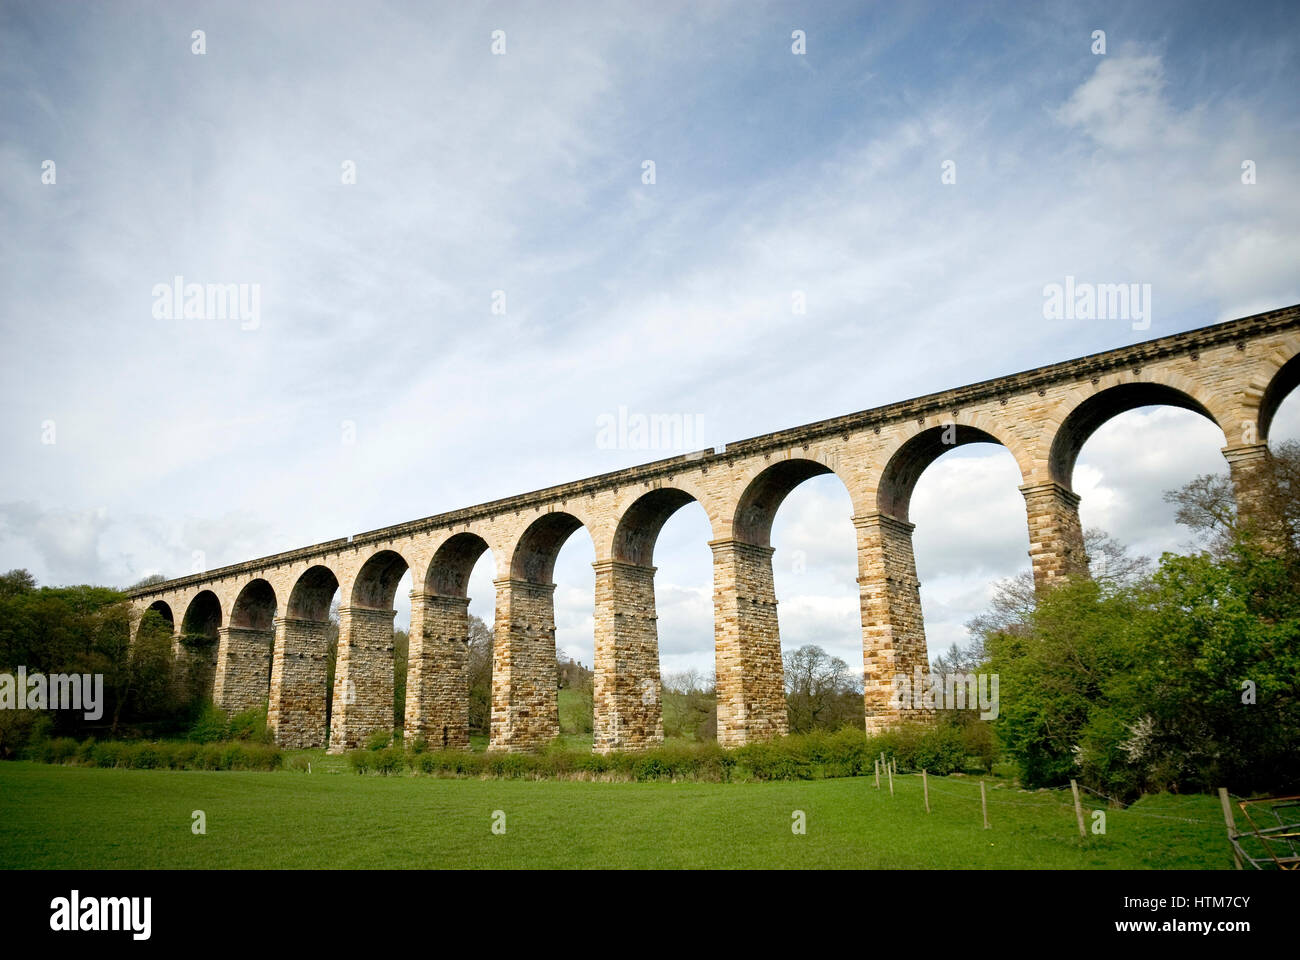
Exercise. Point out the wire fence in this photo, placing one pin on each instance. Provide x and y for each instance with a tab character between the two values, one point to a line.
1050	800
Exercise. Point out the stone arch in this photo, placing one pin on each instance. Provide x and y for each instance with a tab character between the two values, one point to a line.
639	525
911	459
197	645
533	559
453	562
164	610
312	594
375	586
202	616
1090	414
437	706
254	608
765	492
300	698
1279	386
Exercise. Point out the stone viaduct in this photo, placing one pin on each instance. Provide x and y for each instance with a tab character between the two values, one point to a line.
277	608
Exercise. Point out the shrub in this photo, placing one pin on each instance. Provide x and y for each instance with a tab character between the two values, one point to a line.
769	761
379	739
184	756
108	754
141	756
982	743
211	725
389	761
249	725
85	752
900	743
940	751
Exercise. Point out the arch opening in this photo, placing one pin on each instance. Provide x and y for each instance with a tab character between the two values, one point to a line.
971	533
538	548
450	570
255	607
1123	472
1279	389
913	458
814	575
758	504
313	595
163	609
639	527
202	617
376	584
1090	415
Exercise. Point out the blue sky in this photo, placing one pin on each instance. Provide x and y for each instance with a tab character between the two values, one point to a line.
522	173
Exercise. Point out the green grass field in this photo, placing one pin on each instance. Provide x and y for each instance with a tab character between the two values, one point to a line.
74	817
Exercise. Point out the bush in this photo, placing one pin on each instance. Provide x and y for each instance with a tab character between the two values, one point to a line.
163	755
184	756
379	739
249	725
389	761
940	751
141	756
773	761
108	754
982	743
211	725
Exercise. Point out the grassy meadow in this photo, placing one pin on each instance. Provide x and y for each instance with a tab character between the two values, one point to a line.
76	817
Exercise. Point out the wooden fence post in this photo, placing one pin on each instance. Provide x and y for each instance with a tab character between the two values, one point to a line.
925	786
1232	825
1078	809
984	805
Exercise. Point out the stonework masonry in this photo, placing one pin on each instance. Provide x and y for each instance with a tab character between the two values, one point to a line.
890	595
750	682
296	708
363	677
242	671
437	672
1235	374
525	705
628	715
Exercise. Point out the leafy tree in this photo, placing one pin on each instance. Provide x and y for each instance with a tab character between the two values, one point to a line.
16	582
822	693
690	705
1185	678
480	675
